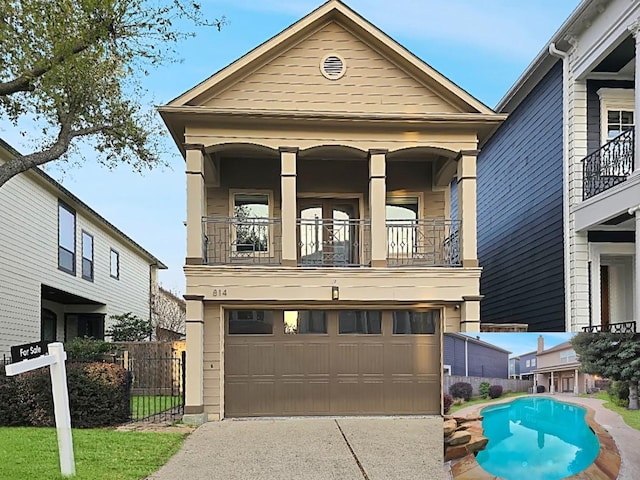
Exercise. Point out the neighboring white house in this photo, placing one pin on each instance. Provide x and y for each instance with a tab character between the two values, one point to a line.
64	269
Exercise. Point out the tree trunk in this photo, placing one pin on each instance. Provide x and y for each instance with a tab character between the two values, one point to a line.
633	396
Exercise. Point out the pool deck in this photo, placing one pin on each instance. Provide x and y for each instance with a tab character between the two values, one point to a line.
619	456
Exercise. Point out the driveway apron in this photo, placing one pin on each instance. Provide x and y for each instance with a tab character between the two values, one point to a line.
310	448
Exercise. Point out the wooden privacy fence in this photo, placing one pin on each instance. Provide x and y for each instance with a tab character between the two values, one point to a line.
507	384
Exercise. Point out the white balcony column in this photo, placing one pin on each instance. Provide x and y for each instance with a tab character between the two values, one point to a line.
552	388
194	392
467	208
378	206
196	203
576	383
634	28
288	205
636	278
470	314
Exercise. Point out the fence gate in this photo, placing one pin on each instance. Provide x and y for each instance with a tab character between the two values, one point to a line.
157	387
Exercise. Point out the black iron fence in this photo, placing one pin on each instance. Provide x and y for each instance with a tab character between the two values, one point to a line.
429	242
609	165
157	387
333	242
622	327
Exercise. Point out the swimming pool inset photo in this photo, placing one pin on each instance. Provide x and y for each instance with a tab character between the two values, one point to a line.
537	439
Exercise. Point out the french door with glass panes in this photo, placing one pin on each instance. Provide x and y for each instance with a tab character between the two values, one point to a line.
329	232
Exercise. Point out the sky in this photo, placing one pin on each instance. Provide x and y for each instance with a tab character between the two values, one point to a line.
483	46
519	343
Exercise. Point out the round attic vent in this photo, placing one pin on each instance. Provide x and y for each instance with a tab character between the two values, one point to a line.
333	66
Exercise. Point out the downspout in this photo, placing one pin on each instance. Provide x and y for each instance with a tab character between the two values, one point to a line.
564	56
466	357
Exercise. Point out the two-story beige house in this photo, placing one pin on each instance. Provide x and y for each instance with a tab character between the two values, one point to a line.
324	257
558	370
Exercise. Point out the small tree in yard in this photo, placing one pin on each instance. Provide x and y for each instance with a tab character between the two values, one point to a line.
495	391
168	314
461	390
612	356
129	328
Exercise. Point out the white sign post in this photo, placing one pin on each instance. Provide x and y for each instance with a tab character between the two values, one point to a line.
56	363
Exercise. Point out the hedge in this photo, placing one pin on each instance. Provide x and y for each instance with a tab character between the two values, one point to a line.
448	401
461	390
98	396
495	391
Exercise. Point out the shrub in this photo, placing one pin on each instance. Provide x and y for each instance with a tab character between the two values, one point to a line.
540	389
484	389
495	391
98	396
447	402
89	350
129	328
619	393
461	390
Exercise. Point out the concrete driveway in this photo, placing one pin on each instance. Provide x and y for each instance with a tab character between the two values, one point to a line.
310	448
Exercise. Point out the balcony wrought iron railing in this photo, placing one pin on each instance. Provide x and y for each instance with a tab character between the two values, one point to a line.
333	242
622	327
233	240
609	165
428	242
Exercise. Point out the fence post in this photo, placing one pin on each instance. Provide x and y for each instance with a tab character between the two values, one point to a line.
184	375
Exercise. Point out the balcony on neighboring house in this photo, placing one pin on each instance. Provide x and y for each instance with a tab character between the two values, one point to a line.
622	327
335	242
608	166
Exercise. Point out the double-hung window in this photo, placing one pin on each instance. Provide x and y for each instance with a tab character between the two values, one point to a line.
87	256
115	264
66	238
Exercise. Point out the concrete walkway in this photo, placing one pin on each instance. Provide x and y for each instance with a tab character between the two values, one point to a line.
627	439
310	448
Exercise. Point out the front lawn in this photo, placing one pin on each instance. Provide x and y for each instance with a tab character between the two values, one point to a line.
100	454
630	417
479	400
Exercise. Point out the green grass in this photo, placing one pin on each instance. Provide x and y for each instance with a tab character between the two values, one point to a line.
100	454
479	400
630	417
144	405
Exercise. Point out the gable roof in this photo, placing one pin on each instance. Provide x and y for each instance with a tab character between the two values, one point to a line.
83	206
333	10
560	346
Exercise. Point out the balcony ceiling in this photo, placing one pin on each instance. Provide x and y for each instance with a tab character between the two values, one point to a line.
620	59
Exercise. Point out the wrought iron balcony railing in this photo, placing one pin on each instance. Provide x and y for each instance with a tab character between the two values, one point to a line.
622	327
333	242
427	242
609	165
234	240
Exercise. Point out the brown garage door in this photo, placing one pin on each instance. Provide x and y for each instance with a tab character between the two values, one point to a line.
331	363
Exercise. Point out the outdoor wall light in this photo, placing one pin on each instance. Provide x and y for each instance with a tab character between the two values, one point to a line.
335	293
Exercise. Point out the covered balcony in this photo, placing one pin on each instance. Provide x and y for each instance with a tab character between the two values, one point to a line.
622	327
330	242
609	166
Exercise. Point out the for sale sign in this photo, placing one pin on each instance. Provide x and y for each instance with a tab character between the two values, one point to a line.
28	351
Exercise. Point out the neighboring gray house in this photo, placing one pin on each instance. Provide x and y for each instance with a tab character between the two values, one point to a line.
471	357
64	269
558	184
522	366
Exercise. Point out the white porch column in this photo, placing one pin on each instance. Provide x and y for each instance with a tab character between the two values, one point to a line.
634	28
194	394
196	203
552	388
636	277
378	206
467	208
576	384
288	204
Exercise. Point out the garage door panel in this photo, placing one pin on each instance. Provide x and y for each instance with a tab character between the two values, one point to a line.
262	360
291	397
344	360
371	359
262	398
237	359
239	392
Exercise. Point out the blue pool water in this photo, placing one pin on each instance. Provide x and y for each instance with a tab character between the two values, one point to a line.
537	439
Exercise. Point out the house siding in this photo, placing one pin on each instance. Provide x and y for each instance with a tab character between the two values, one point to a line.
29	258
523	363
483	361
520	239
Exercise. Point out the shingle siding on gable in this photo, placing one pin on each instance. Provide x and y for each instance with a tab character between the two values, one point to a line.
520	241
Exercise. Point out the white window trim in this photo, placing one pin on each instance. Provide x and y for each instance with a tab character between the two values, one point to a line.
446	370
252	191
596	250
614	99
